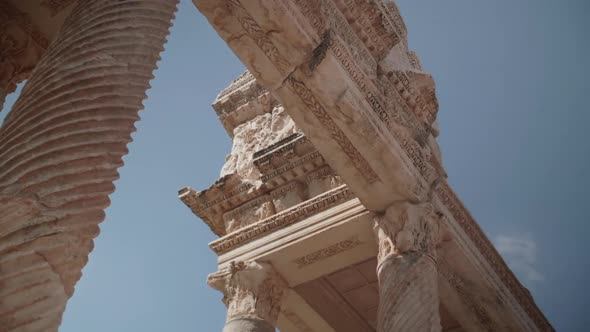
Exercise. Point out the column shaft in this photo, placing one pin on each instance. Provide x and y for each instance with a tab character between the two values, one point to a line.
407	270
247	325
253	294
408	294
60	147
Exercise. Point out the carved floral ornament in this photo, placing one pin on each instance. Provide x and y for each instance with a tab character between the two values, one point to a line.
406	228
21	47
252	290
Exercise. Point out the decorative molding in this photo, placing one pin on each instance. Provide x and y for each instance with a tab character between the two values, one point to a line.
401	104
282	219
267	46
488	251
328	252
250	290
359	162
259	36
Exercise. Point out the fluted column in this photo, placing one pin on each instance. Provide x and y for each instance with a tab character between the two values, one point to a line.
253	293
407	269
60	147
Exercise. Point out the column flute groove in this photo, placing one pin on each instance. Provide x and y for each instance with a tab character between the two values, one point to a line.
407	269
61	146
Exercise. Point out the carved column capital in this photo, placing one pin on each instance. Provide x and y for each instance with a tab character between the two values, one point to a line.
252	290
406	227
21	48
407	269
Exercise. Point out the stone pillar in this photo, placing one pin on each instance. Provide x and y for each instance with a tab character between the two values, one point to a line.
253	293
407	269
60	147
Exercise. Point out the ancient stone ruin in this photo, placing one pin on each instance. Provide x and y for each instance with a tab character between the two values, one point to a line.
332	209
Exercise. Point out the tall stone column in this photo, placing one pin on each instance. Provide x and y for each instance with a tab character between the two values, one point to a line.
252	293
407	269
60	147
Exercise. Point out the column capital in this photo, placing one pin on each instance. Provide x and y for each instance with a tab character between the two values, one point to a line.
21	47
407	227
252	290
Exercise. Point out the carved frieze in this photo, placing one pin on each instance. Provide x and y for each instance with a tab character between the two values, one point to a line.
365	40
288	195
282	219
328	252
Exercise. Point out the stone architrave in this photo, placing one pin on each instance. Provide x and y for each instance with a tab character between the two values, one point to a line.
60	147
252	292
407	268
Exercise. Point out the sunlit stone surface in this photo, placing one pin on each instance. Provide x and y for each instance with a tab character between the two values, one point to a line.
332	209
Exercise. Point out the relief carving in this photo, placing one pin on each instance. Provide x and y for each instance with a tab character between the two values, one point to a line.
282	219
407	227
251	290
328	252
21	47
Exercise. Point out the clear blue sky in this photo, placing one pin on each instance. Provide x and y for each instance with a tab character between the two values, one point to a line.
512	84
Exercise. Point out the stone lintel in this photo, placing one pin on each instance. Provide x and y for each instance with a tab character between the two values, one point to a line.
347	78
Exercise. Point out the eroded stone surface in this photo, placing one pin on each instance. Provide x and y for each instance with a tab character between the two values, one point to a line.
344	73
272	166
251	290
61	145
252	136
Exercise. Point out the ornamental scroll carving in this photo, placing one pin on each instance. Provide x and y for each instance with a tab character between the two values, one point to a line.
328	252
252	290
21	47
407	227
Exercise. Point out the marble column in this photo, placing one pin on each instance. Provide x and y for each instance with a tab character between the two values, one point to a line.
61	145
253	292
407	269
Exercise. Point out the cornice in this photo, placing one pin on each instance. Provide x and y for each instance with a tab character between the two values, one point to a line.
282	219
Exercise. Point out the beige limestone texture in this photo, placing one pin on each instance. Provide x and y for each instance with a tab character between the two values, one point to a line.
407	268
252	136
21	47
344	73
60	147
251	290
